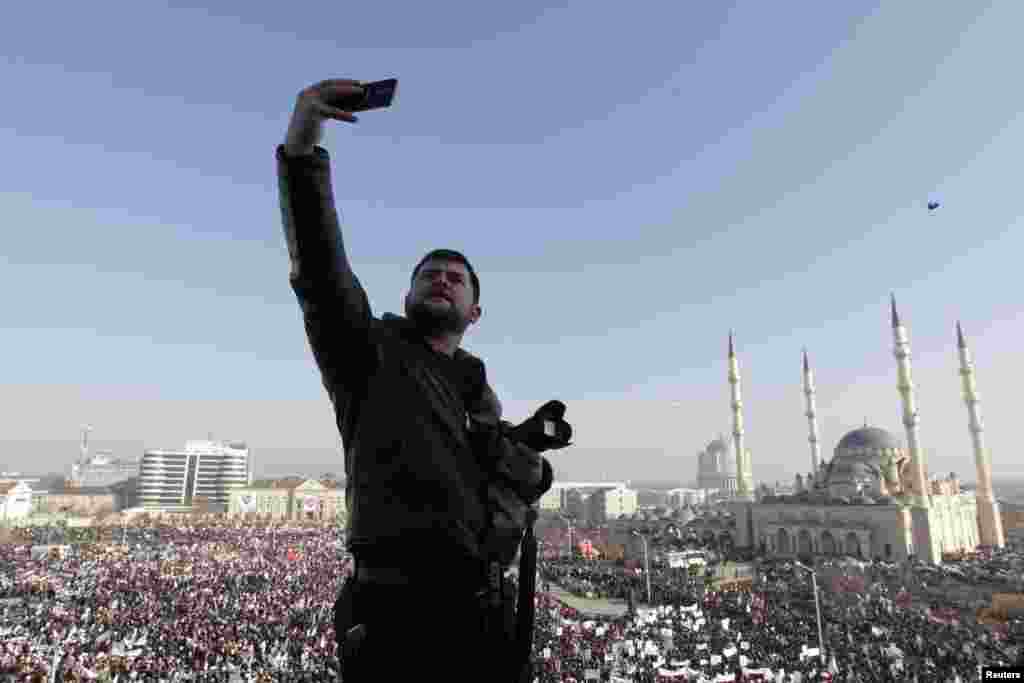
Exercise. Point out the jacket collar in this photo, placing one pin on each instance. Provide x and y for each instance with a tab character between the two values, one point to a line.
408	331
486	407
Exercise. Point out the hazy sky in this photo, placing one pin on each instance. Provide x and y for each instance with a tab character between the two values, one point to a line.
631	180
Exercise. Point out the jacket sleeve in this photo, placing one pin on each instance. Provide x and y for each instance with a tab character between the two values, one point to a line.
528	473
335	309
520	467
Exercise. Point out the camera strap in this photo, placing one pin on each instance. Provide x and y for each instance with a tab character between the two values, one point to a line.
526	609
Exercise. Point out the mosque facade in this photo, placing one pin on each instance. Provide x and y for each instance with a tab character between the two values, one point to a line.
875	497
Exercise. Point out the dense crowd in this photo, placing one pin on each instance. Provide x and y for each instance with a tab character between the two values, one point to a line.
609	581
873	629
248	603
237	603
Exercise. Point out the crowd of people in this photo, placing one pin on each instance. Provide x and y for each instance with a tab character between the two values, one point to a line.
227	602
873	629
253	603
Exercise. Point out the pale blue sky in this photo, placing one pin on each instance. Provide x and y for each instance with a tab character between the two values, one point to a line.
630	180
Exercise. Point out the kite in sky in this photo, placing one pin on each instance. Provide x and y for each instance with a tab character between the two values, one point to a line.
932	205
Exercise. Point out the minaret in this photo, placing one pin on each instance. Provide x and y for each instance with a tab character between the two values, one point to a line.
812	422
743	488
990	523
906	388
925	547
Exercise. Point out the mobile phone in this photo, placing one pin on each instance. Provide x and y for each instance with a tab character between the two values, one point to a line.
378	94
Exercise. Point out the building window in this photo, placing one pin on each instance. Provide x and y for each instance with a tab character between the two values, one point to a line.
888	551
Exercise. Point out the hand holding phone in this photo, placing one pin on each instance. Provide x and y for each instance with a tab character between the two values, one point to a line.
333	99
376	95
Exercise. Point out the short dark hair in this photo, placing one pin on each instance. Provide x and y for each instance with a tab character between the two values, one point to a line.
450	255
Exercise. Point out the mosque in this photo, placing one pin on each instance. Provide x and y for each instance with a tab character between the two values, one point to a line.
874	498
716	469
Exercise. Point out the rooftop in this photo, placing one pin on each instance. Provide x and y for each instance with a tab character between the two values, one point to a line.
289	483
65	490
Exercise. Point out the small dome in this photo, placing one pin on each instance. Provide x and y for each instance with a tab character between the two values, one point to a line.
719	445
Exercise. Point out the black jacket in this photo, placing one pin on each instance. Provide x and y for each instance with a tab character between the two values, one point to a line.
428	469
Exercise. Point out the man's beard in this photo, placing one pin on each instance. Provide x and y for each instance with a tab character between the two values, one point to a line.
432	321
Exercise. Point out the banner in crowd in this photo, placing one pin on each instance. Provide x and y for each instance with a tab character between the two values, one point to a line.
1008	605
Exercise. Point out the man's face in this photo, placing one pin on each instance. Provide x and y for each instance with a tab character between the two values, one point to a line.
440	299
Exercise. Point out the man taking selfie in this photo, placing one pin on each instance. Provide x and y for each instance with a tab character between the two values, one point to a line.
439	490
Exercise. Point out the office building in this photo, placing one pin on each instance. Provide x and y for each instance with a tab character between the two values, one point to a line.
200	476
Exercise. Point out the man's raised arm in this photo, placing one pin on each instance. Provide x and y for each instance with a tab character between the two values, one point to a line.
335	308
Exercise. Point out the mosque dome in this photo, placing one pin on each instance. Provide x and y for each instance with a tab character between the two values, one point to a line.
858	459
871	438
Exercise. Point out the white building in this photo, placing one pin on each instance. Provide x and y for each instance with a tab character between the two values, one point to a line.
290	498
680	498
551	500
175	479
716	469
569	496
103	469
611	503
15	500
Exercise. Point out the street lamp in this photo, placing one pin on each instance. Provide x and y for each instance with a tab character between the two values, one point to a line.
817	607
568	523
647	564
